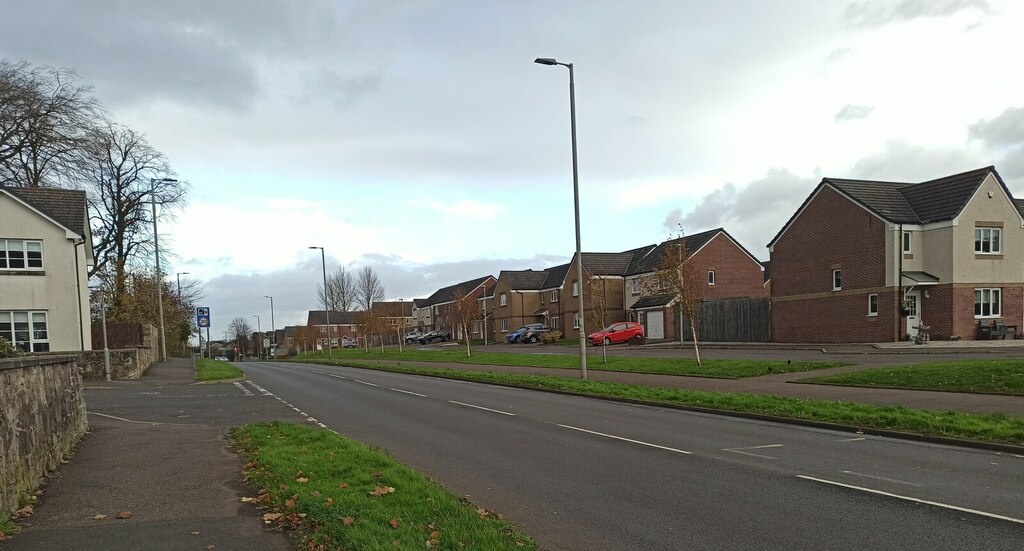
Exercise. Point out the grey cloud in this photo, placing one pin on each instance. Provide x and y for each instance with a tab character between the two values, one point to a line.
901	161
853	112
874	13
836	55
339	89
1006	130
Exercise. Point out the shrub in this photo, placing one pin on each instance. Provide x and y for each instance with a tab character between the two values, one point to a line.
7	349
551	337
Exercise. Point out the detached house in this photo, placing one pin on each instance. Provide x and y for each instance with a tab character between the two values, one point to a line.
45	251
437	312
869	261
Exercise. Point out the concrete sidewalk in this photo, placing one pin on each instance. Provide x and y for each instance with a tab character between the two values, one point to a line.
158	449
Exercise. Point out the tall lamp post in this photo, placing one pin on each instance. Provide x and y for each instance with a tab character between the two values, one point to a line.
159	274
576	204
178	277
327	308
273	328
259	338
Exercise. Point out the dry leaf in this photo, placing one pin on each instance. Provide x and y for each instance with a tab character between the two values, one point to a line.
343	485
394	523
347	520
330	501
211	546
379	491
124	514
435	535
248	500
314	493
302	480
271	517
195	533
99	517
377	475
290	502
24	512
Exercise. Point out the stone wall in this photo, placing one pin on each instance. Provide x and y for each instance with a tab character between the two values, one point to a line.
42	416
129	363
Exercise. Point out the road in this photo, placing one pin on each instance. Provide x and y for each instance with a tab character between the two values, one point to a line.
585	474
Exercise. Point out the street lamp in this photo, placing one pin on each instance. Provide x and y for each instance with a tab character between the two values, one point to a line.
103	314
576	204
178	277
273	328
159	274
259	337
401	324
327	309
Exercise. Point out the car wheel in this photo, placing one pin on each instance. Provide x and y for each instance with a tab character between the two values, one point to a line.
533	339
607	341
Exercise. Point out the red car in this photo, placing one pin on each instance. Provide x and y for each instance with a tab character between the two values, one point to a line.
624	331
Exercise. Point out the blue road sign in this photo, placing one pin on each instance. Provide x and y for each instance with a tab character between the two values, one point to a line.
203	316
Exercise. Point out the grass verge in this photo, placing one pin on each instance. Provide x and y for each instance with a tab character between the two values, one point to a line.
340	494
722	369
8	527
1005	376
215	370
994	427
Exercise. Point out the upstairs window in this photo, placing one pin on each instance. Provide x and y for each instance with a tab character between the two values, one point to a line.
502	300
907	242
711	277
21	254
575	288
837	280
554	296
636	286
988	241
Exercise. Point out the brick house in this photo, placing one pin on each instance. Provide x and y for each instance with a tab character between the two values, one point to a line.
398	316
440	305
950	248
343	324
729	271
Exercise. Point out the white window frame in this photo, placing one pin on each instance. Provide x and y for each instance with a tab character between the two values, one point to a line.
503	300
576	320
576	288
6	248
34	339
504	325
837	280
988	302
711	277
323	328
908	242
992	238
873	304
554	295
636	286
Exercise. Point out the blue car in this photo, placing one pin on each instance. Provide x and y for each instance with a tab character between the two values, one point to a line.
514	336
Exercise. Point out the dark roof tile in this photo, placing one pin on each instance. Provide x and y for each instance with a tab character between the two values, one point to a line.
66	206
447	294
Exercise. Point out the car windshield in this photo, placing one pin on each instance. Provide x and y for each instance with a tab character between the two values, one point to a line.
609	328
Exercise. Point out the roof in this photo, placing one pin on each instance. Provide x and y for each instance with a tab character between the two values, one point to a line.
648	259
319	317
392	308
289	330
525	280
607	263
418	302
67	207
556	276
910	203
447	294
653	301
920	278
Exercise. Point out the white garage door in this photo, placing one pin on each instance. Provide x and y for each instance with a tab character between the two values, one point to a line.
655	325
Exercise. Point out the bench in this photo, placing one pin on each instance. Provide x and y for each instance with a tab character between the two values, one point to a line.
996	328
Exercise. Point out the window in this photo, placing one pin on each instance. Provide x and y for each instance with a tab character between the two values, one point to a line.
837	280
873	304
576	320
503	324
503	301
907	242
636	286
554	295
986	303
987	240
323	328
711	277
575	288
19	254
27	331
555	323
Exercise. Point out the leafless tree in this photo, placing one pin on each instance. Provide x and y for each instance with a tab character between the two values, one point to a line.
240	330
368	289
597	288
465	310
341	291
679	277
45	121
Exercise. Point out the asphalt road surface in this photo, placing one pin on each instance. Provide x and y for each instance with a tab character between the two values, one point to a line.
586	474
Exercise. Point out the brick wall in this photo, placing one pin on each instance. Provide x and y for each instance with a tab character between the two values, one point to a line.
736	274
841	318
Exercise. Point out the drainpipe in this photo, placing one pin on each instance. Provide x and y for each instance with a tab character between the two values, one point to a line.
78	291
899	280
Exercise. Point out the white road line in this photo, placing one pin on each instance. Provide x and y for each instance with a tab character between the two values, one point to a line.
570	427
317	372
245	391
364	382
914	499
851	439
882	478
408	392
752	454
480	407
337	376
262	390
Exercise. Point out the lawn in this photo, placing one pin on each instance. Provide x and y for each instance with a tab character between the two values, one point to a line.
215	370
994	427
340	494
1004	376
723	369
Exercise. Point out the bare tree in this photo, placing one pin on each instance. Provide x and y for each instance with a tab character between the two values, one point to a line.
677	276
597	288
45	120
240	330
368	289
465	310
341	291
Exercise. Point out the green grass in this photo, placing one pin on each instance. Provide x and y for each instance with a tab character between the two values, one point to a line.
993	427
1004	376
723	369
8	527
215	370
316	479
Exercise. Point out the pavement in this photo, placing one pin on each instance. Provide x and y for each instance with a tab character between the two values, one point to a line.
158	448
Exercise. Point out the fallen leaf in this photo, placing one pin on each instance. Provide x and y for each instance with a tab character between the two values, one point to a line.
347	520
24	512
290	502
379	491
314	493
124	514
435	535
302	480
99	517
343	485
271	517
394	523
248	500
211	546
330	501
377	475
195	533
397	543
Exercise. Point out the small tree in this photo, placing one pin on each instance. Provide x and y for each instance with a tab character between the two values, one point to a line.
677	276
597	317
465	310
7	350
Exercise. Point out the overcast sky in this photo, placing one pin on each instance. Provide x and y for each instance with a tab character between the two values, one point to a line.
419	137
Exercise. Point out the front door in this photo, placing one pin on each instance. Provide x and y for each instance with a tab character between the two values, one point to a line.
913	312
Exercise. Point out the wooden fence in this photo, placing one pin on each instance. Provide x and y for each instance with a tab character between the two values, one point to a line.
732	320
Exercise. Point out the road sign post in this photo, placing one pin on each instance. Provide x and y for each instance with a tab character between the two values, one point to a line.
203	321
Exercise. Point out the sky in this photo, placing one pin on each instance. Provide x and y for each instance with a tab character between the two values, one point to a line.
419	138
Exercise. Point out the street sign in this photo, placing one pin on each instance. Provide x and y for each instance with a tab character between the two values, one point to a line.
203	316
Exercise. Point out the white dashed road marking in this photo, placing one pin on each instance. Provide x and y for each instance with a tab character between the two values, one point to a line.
570	427
752	454
245	391
262	390
364	382
882	478
408	392
481	407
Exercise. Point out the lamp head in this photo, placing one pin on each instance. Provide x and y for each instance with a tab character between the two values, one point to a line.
316	247
546	61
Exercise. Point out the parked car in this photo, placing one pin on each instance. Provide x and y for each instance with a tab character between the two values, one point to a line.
517	335
348	343
413	336
221	358
434	336
534	332
624	331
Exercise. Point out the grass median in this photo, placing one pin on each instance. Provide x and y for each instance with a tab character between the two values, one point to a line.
340	494
994	427
215	370
721	369
1003	376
